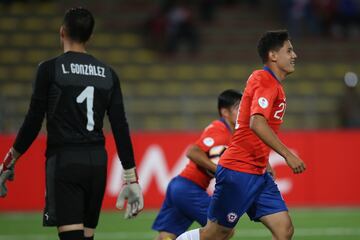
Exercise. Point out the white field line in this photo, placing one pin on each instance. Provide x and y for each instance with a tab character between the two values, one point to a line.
240	233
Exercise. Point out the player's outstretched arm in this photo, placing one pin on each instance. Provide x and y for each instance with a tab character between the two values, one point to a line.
198	156
261	128
7	168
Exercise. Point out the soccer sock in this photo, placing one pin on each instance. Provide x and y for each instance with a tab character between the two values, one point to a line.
190	235
89	238
72	235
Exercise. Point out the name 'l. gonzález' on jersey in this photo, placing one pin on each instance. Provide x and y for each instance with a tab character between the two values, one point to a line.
83	69
74	91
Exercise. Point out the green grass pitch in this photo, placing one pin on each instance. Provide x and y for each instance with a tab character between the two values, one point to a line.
310	224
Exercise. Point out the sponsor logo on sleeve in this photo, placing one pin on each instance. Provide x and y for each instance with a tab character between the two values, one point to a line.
263	102
208	141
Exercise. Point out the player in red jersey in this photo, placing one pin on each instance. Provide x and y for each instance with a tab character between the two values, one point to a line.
186	198
242	183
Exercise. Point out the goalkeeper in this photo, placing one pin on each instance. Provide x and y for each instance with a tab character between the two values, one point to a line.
186	198
74	91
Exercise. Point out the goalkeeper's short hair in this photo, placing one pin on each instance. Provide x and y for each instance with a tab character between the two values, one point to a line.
79	24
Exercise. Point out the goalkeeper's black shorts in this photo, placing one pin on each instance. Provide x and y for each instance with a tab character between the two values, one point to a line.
75	185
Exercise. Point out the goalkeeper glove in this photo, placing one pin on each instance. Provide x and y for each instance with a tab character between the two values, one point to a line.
7	170
131	192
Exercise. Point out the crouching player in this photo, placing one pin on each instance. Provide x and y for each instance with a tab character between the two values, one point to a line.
186	198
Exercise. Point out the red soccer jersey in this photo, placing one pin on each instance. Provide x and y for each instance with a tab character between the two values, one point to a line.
215	135
263	95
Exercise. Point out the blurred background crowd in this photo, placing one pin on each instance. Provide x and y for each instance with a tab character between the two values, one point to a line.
175	56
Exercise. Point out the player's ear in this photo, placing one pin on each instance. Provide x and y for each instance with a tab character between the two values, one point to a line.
62	32
224	112
272	56
91	36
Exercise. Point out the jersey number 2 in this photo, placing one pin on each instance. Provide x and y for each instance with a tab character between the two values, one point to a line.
279	114
88	94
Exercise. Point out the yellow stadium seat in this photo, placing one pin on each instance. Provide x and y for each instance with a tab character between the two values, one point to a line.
185	72
50	40
305	88
326	105
4	74
15	90
9	23
153	122
314	71
212	72
147	89
18	8
333	88
47	8
172	89
143	56
36	56
102	40
238	71
127	40
25	73
54	24
339	70
117	56
131	72
158	72
21	40
34	23
10	56
3	40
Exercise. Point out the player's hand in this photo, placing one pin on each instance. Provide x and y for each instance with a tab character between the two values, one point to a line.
4	176
271	171
7	170
131	194
210	173
296	164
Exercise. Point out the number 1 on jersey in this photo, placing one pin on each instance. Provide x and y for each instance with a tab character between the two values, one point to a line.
88	94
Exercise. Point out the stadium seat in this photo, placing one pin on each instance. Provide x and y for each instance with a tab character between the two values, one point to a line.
21	40
9	23
10	56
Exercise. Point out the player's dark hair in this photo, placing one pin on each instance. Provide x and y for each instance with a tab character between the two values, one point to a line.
271	40
79	24
228	98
